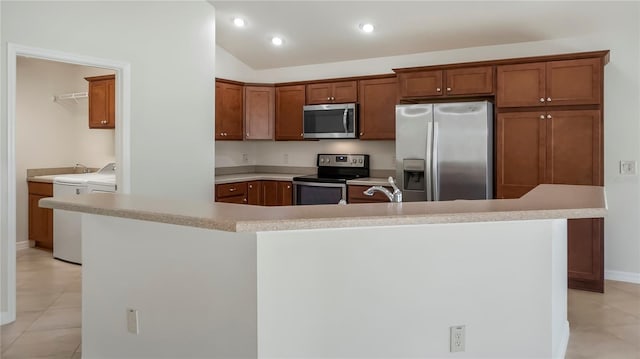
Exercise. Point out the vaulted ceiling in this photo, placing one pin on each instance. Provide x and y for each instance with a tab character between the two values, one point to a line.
328	31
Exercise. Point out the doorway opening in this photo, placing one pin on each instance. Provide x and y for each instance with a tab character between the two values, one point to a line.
122	151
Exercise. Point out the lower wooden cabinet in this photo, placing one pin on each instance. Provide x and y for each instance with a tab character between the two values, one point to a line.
259	193
40	219
585	247
355	195
232	192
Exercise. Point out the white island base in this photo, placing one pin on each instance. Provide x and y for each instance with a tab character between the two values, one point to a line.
365	292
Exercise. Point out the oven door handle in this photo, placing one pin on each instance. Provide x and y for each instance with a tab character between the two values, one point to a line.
318	184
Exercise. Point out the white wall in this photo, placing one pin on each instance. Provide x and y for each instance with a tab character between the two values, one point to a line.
170	47
54	134
621	120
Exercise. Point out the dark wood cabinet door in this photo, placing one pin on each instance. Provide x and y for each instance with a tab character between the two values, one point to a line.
332	92
289	104
521	85
259	112
378	99
574	147
585	247
102	108
285	193
574	82
520	153
270	193
254	193
344	92
355	195
40	219
229	111
420	83
236	190
469	81
318	93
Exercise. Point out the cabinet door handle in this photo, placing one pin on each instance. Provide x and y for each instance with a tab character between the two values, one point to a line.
548	99
549	116
232	189
448	88
541	99
361	133
247	134
244	200
288	186
438	89
542	117
328	98
250	186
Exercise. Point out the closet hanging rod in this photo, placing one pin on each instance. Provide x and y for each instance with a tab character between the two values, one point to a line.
71	96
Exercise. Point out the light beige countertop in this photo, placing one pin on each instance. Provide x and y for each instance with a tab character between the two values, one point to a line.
369	181
44	179
543	202
46	175
243	177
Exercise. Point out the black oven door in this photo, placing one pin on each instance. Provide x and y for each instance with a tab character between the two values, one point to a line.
318	193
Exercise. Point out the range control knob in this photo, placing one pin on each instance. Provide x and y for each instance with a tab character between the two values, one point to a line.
360	160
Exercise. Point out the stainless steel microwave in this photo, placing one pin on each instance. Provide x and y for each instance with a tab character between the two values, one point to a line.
330	121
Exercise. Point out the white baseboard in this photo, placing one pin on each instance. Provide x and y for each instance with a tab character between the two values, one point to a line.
630	277
22	245
5	318
561	351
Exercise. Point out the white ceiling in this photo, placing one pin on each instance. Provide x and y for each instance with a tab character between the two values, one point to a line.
327	31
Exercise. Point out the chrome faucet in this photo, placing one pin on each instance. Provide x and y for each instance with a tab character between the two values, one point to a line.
396	196
85	169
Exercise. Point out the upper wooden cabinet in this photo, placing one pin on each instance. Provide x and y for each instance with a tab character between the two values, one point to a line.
559	147
229	114
102	103
452	82
378	99
259	112
553	83
289	104
332	92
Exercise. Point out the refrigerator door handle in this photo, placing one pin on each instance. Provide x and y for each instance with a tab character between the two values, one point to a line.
435	182
429	161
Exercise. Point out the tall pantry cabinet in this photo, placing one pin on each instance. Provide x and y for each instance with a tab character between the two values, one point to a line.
549	129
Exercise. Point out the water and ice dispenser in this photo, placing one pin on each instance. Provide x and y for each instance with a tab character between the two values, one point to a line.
414	185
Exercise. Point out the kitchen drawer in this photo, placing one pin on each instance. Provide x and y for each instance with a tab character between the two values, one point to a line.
231	190
355	195
41	188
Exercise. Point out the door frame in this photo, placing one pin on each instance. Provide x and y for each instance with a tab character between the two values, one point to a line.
8	174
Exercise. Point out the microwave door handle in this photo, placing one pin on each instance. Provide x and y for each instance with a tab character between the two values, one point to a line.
344	119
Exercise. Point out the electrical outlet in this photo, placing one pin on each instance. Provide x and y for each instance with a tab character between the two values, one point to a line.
132	321
628	167
286	158
456	338
245	158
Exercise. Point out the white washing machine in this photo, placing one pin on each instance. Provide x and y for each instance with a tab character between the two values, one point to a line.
67	244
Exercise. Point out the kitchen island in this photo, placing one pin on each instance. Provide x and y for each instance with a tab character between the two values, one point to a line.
361	280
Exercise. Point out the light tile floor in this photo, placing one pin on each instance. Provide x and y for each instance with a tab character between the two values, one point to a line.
49	305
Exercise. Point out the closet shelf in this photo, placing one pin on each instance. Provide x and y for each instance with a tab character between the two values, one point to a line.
71	96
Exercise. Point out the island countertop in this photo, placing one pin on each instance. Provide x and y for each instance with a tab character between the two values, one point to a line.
546	201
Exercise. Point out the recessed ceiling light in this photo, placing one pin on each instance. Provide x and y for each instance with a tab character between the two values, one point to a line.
239	22
366	27
277	41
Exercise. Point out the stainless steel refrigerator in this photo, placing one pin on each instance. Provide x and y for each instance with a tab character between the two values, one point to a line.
444	151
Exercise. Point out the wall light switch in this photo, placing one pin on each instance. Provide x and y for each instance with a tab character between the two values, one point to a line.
628	167
132	321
